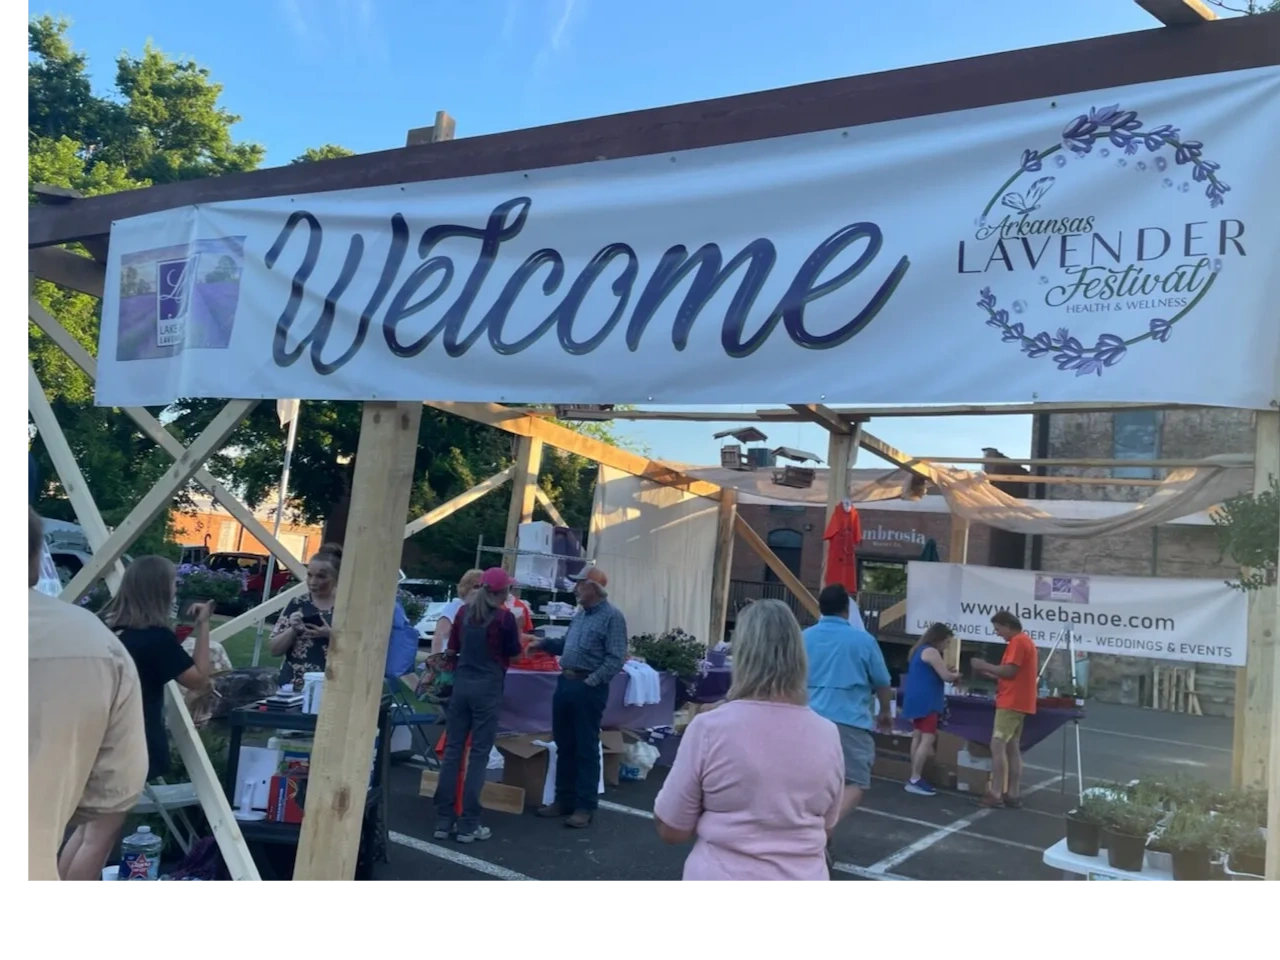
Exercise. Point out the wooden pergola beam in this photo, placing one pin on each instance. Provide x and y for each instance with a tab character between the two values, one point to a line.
1178	13
67	269
823	416
722	565
160	496
565	439
896	457
1035	73
789	579
524	486
154	429
1084	463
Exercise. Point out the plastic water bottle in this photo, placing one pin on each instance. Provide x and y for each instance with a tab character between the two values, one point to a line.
140	855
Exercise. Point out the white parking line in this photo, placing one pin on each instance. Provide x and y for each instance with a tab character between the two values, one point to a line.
929	823
927	841
1139	736
456	857
629	811
865	873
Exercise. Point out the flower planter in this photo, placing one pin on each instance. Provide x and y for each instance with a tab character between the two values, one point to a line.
1083	838
1160	860
1125	851
1191	864
1254	865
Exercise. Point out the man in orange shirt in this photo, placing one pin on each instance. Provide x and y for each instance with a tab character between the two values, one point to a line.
1015	700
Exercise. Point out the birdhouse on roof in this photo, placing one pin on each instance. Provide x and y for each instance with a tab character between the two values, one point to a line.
791	476
734	457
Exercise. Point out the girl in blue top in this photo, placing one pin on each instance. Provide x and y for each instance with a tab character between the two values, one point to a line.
924	699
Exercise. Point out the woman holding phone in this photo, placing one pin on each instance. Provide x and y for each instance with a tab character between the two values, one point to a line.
301	635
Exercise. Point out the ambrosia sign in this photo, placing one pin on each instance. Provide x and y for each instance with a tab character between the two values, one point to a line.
1113	245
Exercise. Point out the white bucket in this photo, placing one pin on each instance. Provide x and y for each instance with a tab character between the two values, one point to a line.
111	873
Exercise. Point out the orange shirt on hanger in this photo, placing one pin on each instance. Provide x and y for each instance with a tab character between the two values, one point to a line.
842	536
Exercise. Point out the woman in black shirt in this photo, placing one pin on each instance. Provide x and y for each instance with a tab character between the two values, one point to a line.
140	614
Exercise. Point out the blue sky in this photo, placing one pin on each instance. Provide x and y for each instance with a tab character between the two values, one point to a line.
361	72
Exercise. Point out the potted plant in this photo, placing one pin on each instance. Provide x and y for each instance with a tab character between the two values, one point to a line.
1246	850
197	584
674	652
414	606
1191	837
1126	831
1084	825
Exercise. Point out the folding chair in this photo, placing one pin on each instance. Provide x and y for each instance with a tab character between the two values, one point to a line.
170	800
403	714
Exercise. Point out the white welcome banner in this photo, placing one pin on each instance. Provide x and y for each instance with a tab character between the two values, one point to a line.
1116	245
1196	621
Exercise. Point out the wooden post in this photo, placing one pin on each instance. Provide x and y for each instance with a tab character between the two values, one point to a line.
341	759
1259	687
959	553
1267	451
789	579
524	485
726	514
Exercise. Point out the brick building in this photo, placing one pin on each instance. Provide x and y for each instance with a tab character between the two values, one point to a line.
1165	551
210	526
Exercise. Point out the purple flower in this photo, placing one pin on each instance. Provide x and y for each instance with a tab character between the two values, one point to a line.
1188	151
1079	134
1086	366
999	319
1063	336
1069	356
1012	333
1030	161
1038	346
1160	329
1110	349
988	299
1103	116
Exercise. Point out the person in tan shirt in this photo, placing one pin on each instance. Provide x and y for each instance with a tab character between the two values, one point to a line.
86	751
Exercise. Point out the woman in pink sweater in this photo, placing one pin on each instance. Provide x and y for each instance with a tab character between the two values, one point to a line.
757	781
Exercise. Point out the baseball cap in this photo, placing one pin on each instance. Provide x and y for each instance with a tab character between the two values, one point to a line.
594	574
496	579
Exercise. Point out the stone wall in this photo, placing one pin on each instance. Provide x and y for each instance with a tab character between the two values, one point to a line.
1169	551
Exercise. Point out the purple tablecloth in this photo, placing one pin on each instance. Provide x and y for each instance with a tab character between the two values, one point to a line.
713	687
526	704
971	718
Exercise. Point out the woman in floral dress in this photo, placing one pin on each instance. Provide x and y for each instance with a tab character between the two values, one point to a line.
301	635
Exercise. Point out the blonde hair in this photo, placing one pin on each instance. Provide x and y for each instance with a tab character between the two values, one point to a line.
145	598
484	603
468	582
769	662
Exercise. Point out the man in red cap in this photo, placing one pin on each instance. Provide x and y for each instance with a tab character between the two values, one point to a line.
591	654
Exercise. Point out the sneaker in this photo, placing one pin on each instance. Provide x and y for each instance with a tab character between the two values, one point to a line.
579	821
1013	803
989	802
479	833
444	831
551	811
921	788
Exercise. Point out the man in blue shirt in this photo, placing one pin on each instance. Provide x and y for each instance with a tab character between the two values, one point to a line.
846	676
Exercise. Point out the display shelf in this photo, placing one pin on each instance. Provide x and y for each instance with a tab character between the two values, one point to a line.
1096	868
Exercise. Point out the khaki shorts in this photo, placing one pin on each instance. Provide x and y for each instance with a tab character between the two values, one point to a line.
1008	725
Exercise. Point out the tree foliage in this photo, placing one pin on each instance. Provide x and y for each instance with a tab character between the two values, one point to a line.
164	121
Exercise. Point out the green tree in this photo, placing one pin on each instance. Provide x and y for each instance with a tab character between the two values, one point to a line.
328	151
162	123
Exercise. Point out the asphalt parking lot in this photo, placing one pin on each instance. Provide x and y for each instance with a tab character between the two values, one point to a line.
895	836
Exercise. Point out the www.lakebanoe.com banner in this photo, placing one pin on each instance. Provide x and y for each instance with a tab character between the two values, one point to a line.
1194	621
1116	245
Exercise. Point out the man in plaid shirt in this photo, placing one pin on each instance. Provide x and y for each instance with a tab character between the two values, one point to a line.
591	655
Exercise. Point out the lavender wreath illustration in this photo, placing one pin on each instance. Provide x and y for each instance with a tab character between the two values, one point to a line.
1123	130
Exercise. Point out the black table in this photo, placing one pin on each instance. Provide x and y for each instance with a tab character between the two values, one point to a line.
263	835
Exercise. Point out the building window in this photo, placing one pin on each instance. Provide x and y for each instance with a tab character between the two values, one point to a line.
1136	436
788	546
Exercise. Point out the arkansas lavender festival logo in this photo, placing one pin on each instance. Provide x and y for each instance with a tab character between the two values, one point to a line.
1051	272
177	298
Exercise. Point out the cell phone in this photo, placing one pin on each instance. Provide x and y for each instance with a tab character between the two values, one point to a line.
313	620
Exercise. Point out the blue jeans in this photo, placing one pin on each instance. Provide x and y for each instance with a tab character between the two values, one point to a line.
576	711
473	709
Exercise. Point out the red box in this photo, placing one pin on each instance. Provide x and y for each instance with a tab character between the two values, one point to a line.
287	799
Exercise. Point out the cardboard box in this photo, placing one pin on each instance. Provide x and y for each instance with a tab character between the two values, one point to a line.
537	536
525	762
493	796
